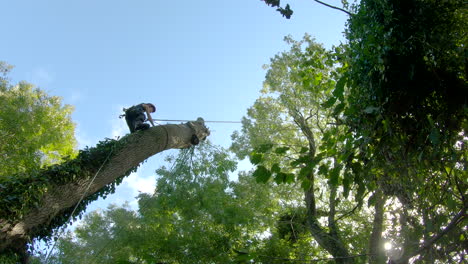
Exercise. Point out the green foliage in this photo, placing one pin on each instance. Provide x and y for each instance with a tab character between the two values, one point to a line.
297	83
19	194
197	215
292	225
408	76
404	104
10	258
262	174
36	130
304	145
338	126
284	11
37	152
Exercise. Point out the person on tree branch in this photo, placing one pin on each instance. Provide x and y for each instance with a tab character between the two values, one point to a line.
135	116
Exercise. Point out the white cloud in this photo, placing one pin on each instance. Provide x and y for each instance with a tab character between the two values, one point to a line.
119	126
82	138
76	96
139	184
41	76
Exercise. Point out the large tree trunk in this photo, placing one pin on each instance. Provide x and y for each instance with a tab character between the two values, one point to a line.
58	199
376	247
330	240
327	240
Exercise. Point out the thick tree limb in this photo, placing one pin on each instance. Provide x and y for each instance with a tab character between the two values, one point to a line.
376	249
457	219
328	240
138	147
334	7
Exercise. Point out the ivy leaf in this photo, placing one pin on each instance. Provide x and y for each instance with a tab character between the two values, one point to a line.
318	158
305	171
280	177
451	203
290	178
306	184
323	169
360	193
338	109
262	174
346	185
295	163
304	150
334	176
329	103
286	12
273	3
281	150
264	148
434	137
275	168
256	158
371	200
303	159
339	88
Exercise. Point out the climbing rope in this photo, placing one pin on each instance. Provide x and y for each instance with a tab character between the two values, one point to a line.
77	204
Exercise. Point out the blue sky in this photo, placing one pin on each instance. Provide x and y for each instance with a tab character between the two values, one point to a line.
189	58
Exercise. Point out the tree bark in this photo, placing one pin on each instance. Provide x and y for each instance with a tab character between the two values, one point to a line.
330	241
138	147
376	248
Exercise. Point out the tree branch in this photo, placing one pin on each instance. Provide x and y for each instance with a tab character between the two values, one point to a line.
352	210
331	215
376	252
328	241
334	7
458	218
58	199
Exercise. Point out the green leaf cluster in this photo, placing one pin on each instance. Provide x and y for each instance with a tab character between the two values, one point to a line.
36	129
284	11
408	77
37	152
196	215
21	193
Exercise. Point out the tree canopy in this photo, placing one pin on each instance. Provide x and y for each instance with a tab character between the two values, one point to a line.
46	186
196	215
359	155
36	129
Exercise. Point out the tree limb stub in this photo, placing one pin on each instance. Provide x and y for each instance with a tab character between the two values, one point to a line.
137	148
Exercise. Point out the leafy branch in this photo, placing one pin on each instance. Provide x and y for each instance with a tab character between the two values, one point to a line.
334	7
458	218
287	12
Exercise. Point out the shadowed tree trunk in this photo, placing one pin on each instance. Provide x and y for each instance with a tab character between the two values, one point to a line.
376	248
330	240
137	147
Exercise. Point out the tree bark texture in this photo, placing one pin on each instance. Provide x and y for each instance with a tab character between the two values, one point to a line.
139	146
376	248
330	241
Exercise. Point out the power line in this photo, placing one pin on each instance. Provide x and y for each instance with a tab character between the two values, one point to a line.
170	120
